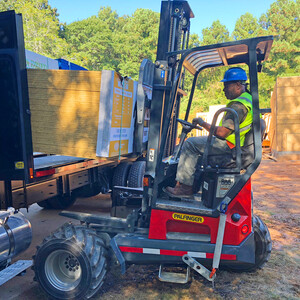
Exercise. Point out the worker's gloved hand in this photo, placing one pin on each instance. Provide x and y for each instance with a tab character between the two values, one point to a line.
198	121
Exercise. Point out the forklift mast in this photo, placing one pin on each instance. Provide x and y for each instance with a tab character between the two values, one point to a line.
174	32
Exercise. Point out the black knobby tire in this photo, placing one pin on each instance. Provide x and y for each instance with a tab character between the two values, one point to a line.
119	179
136	174
263	242
71	263
263	247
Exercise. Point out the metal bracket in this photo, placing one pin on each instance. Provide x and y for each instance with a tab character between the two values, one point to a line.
224	205
162	87
219	242
191	262
118	254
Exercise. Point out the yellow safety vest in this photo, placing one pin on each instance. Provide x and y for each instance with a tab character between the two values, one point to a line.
245	126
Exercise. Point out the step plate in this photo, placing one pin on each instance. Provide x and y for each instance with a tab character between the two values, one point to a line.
174	277
186	205
14	269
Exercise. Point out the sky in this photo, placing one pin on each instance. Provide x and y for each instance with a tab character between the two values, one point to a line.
227	11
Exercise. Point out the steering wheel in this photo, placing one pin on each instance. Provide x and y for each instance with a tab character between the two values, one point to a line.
192	126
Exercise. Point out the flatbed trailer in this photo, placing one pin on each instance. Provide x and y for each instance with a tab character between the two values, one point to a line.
52	181
59	180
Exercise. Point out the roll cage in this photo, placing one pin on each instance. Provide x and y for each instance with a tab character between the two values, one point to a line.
251	52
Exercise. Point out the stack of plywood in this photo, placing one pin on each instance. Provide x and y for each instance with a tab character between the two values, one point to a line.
284	130
76	112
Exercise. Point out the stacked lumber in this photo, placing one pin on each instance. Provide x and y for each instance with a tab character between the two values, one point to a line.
70	111
284	131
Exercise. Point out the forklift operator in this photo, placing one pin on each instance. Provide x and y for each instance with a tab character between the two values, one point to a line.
235	89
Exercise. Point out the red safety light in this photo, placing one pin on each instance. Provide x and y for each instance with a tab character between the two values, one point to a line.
45	173
245	229
31	173
146	181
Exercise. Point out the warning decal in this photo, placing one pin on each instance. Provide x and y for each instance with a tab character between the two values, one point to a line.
187	218
19	165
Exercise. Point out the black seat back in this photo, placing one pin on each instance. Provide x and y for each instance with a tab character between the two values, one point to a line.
248	148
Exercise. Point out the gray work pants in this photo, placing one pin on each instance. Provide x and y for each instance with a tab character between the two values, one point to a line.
193	148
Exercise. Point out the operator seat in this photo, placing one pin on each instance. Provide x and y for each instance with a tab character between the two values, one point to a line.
228	161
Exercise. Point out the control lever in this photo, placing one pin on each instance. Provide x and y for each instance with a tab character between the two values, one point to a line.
187	127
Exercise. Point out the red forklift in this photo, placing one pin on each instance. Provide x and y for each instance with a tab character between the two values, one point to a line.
212	229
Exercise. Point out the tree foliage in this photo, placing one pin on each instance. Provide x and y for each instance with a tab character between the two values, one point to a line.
217	33
107	41
92	41
246	27
41	26
110	41
137	40
282	21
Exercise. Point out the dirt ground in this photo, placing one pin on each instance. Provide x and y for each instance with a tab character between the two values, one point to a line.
276	188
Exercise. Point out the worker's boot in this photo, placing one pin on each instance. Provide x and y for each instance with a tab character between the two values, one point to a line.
180	190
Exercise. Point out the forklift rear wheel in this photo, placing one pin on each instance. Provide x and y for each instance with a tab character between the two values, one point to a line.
71	263
263	247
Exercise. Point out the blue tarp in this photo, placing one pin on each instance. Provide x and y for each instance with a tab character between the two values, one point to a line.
66	65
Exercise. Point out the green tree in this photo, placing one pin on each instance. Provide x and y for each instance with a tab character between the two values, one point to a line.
282	21
194	40
92	40
246	27
137	39
107	41
41	26
216	33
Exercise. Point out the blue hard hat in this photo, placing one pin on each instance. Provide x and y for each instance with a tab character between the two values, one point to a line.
234	74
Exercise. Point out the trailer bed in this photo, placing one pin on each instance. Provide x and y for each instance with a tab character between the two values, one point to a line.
53	161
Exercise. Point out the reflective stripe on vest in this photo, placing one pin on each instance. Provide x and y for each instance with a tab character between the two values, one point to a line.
245	126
